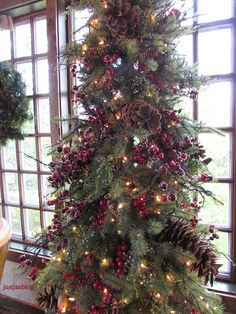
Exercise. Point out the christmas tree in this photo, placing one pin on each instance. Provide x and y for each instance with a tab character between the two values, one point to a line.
128	179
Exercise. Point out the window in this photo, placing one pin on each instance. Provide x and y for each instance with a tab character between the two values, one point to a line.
23	180
212	47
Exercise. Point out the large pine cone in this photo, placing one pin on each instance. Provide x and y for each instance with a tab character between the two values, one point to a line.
180	233
47	300
122	19
141	115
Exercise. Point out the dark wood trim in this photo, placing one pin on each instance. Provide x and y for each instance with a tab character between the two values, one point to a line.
53	47
12	304
11	4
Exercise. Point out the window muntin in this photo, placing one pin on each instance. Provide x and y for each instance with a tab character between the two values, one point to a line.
213	48
22	179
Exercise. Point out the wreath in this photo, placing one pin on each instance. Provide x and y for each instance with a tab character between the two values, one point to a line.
14	105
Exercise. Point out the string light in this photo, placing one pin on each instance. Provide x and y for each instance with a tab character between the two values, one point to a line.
143	266
125	159
172	312
157	296
113	219
125	301
121	205
59	259
101	42
104	262
158	199
105	5
201	297
85	47
86	253
118	116
188	263
128	183
105	290
74	228
207	305
64	251
72	299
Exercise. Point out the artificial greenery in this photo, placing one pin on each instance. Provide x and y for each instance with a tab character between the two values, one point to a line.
125	180
14	105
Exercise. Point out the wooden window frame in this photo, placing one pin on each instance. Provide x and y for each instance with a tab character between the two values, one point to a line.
208	26
53	11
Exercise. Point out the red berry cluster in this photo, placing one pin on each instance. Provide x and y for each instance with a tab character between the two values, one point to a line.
205	177
33	273
99	219
141	204
147	151
74	208
171	197
157	82
194	221
193	310
214	235
109	60
122	257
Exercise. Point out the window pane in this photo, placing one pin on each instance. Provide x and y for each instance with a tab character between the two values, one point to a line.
23	40
32	222
218	147
1	215
48	216
214	10
215	52
44	115
11	187
26	70
214	212
45	146
42	76
186	105
28	127
223	246
9	155
185	48
28	147
30	189
80	19
47	190
13	215
215	104
41	42
5	37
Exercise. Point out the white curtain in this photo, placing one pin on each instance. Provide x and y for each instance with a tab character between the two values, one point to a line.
6	22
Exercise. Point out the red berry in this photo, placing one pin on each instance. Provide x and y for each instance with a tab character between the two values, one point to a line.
164	197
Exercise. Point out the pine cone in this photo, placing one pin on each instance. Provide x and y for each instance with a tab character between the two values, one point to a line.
139	114
47	300
122	19
180	233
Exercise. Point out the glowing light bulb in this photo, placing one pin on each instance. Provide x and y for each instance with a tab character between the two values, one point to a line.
118	116
121	205
72	299
158	295
101	42
158	199
143	266
188	263
74	228
105	290
104	262
128	183
85	47
125	159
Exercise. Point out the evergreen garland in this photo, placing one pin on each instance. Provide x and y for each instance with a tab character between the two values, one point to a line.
14	104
